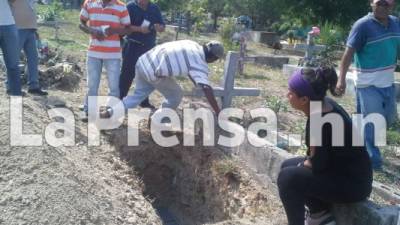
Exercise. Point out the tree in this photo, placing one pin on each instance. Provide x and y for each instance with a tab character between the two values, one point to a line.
341	12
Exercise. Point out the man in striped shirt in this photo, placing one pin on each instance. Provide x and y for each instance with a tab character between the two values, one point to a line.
156	69
104	20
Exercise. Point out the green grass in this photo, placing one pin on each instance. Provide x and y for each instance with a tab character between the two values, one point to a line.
70	38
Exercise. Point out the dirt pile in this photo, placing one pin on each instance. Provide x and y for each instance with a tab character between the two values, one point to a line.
63	76
65	185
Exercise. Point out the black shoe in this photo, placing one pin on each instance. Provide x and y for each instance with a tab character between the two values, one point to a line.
147	105
37	91
84	117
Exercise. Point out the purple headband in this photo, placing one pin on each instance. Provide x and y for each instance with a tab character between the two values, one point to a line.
299	85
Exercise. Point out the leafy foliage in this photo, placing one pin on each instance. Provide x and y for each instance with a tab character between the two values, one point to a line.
341	12
52	12
228	28
276	104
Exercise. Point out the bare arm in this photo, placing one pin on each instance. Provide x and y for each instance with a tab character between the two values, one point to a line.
344	67
209	93
85	28
88	30
127	30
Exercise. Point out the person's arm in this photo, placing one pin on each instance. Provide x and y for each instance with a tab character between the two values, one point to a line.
307	162
127	30
344	67
319	155
209	93
159	25
88	30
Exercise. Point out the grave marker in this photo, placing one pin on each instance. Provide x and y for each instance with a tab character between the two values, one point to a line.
227	90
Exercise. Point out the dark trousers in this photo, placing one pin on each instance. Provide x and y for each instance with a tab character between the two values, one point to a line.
299	187
130	55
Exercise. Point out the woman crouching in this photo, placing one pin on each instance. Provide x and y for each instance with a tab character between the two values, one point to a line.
329	174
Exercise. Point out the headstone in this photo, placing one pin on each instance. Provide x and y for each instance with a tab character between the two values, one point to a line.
227	90
288	69
271	60
269	38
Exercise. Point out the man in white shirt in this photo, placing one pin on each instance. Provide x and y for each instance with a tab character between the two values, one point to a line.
156	69
9	47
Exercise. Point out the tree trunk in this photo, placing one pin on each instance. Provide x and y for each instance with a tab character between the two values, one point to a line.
215	17
188	22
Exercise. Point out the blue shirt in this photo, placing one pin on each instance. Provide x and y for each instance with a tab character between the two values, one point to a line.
376	49
138	15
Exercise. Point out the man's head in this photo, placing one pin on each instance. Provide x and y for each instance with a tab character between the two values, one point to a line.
382	8
213	50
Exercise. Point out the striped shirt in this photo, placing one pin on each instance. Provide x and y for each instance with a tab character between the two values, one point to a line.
376	49
115	15
177	58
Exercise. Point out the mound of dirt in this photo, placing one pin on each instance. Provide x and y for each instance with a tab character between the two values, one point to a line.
65	185
63	76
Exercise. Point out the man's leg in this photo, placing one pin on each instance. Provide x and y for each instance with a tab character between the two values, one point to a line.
145	103
171	91
94	68
30	49
129	58
9	46
113	68
371	100
130	55
390	105
143	89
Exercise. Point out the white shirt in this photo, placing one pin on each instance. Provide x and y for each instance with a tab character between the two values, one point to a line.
6	17
176	58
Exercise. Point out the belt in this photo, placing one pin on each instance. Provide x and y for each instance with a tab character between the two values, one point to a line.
131	40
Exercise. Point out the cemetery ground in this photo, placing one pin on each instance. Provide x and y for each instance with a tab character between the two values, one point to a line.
116	184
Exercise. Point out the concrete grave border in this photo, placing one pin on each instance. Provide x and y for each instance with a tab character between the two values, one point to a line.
263	163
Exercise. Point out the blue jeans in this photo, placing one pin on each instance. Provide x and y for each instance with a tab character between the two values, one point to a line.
94	68
167	86
9	46
376	100
27	42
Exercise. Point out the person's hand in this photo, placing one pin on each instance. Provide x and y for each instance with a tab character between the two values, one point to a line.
109	31
307	163
144	30
99	35
158	27
340	87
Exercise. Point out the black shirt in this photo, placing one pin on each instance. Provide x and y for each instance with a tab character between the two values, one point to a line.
347	160
138	15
